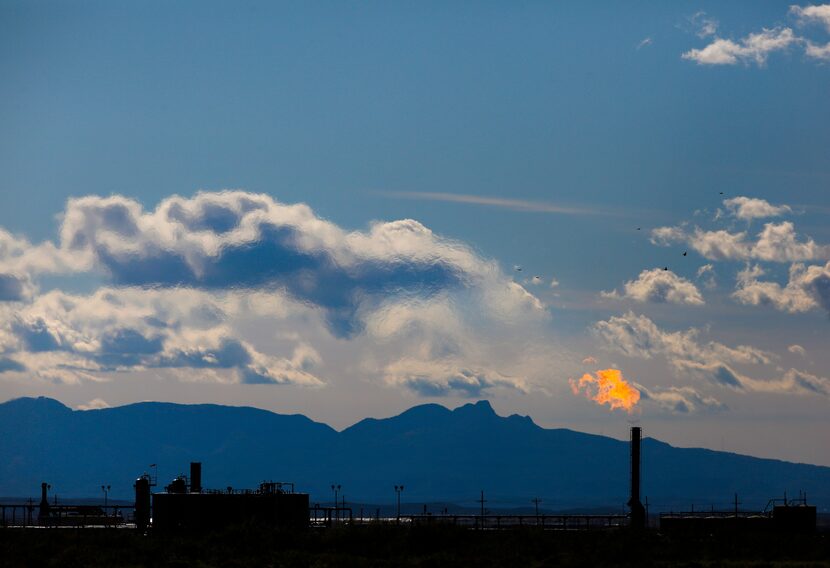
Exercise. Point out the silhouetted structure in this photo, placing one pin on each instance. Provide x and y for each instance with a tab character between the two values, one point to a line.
142	502
638	512
195	477
780	516
187	506
54	515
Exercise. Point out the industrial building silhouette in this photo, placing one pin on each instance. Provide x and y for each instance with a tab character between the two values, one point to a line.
185	505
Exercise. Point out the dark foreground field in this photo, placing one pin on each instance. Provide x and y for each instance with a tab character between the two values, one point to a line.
393	546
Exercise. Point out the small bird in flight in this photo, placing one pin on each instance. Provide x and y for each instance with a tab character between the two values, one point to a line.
684	252
517	268
666	268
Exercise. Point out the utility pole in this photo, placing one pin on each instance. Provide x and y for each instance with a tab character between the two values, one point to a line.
106	490
398	491
482	501
335	488
536	502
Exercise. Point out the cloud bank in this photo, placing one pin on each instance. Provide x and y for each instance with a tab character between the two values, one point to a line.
639	337
777	242
192	284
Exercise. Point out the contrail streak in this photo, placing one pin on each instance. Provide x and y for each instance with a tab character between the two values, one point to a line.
523	205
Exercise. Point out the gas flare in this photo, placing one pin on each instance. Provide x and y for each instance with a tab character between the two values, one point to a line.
608	387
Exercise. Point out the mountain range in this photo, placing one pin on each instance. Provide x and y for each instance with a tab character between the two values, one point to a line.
437	454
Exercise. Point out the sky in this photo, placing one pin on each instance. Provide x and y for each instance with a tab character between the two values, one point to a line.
344	210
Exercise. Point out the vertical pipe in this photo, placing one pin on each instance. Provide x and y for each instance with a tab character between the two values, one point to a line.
142	502
638	513
44	502
195	477
636	435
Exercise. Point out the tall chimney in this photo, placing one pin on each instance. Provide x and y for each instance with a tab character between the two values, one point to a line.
44	500
638	512
143	510
195	477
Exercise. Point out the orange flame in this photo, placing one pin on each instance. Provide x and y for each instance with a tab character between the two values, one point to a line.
611	389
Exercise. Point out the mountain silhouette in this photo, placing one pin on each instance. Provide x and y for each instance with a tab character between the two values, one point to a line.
439	455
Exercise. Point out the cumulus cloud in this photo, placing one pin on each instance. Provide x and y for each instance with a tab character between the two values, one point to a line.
660	286
94	404
754	48
235	239
808	288
820	52
20	258
817	13
66	338
193	283
797	349
448	377
792	381
749	208
637	336
777	242
680	400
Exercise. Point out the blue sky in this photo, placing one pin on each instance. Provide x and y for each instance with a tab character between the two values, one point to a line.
516	134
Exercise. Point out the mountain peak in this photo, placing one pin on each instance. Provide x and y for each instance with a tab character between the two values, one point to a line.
480	408
40	403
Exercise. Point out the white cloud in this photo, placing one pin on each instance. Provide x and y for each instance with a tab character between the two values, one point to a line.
792	381
819	14
797	350
680	400
704	25
645	42
808	288
554	283
241	240
200	287
660	286
70	338
94	404
707	274
443	377
749	208
638	336
820	52
777	242
754	48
